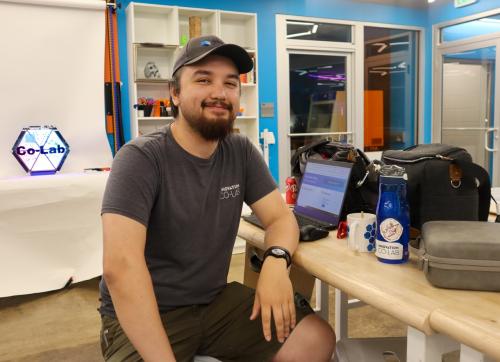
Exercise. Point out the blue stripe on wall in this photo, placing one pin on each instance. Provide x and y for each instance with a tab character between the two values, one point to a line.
266	11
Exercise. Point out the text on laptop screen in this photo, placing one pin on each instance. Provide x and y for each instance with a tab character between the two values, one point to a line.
322	190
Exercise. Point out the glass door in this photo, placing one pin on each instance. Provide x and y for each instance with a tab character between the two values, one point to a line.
468	78
318	97
390	88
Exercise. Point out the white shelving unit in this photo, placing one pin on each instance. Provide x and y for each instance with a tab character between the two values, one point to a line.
156	32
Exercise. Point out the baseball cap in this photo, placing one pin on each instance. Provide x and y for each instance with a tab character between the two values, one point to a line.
198	48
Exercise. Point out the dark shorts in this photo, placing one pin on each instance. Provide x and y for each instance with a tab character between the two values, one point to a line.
222	330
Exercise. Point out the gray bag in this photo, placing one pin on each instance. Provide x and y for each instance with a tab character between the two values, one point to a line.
461	254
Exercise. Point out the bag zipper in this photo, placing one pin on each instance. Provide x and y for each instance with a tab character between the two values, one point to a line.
440	157
425	261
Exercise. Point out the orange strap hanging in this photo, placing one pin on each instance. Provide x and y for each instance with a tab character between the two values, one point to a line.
112	80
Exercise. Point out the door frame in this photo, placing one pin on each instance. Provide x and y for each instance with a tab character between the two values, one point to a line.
285	141
473	43
285	47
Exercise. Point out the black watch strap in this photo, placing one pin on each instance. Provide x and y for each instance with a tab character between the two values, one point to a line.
278	252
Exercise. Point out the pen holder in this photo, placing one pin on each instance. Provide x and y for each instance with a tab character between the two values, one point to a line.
147	110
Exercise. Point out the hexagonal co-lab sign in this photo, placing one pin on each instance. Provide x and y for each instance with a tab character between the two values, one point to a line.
41	150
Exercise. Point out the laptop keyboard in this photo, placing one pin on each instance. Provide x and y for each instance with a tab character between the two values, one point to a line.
301	220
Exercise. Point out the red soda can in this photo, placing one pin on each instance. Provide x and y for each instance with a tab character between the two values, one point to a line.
291	190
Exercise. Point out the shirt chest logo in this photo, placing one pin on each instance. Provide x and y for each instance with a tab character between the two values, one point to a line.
229	192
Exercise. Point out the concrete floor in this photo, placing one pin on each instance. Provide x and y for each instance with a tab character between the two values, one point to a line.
64	325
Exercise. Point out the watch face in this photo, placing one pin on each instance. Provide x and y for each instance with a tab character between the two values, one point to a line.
278	252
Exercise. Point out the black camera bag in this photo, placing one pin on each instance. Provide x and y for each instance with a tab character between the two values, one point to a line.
443	183
362	190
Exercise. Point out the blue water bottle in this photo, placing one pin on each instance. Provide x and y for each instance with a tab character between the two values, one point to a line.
393	218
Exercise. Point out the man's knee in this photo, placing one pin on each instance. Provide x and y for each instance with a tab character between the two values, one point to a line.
319	333
313	339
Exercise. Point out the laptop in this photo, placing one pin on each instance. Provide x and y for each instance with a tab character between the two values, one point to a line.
321	195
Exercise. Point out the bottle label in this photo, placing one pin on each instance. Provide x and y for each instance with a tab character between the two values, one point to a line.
391	229
391	251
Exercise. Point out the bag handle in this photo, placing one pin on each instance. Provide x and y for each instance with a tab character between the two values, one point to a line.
363	156
294	161
484	187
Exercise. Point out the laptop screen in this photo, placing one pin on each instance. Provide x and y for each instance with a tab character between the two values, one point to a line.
322	190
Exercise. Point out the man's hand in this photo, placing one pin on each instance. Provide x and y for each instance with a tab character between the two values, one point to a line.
274	292
274	296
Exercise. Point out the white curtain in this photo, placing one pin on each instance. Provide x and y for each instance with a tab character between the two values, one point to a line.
52	73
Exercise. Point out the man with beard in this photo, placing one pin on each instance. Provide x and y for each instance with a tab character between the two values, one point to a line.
171	212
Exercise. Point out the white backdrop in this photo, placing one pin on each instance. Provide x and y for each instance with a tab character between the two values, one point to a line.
52	73
50	231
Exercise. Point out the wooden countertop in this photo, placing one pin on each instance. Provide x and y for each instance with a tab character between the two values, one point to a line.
393	289
399	290
476	325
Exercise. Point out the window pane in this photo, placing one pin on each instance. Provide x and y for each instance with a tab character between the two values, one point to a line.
304	30
390	88
318	100
470	29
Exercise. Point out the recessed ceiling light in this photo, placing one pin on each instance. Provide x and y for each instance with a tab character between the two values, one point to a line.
298	34
300	23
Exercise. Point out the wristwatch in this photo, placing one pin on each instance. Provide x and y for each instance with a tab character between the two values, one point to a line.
278	252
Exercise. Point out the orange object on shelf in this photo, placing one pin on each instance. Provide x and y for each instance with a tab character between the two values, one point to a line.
156	112
374	119
156	109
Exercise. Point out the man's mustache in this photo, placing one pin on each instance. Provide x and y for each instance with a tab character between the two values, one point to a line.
224	105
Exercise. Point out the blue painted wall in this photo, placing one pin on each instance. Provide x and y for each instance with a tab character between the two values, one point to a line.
445	11
266	11
337	9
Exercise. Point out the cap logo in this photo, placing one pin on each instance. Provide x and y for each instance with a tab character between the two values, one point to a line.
205	43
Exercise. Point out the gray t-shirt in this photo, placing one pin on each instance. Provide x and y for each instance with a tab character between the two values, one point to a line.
191	208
